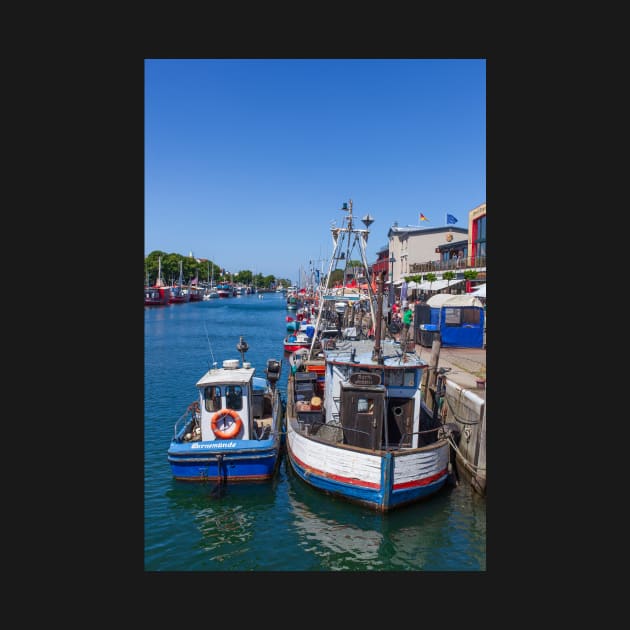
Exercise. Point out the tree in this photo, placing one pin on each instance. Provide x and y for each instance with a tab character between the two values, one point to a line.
448	276
202	268
430	278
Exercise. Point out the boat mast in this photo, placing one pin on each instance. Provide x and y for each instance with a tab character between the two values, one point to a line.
337	255
159	282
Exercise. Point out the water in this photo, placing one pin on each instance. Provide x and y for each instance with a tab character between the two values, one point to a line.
284	525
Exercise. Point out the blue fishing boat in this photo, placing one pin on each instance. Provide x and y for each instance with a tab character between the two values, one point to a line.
235	431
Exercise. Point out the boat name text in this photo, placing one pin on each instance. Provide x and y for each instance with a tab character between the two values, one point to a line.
216	444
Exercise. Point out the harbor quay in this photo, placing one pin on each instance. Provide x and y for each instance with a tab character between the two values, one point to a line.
464	406
467	366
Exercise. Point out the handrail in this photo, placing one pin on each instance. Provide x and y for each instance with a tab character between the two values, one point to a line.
459	264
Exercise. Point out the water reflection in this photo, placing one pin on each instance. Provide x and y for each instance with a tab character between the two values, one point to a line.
223	530
428	536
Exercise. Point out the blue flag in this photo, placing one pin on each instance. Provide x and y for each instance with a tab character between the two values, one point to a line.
450	219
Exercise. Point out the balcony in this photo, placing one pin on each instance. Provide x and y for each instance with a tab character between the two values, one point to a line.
460	264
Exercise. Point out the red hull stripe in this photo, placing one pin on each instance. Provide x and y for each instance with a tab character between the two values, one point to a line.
421	482
366	484
293	348
351	480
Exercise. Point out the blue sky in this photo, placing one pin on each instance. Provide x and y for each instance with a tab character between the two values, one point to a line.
247	161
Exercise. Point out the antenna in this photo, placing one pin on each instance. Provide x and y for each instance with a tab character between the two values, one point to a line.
209	346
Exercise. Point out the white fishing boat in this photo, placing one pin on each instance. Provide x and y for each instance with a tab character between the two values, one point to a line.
357	426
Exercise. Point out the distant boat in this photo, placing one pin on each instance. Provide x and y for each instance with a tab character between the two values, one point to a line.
158	294
196	292
179	295
210	292
299	335
293	301
224	290
234	431
295	341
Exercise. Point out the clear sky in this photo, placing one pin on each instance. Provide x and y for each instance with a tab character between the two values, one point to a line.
247	161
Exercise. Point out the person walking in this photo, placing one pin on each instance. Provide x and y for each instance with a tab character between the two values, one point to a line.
407	319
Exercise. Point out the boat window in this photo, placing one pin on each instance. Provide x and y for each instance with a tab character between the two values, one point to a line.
234	397
409	378
393	378
212	396
365	405
400	378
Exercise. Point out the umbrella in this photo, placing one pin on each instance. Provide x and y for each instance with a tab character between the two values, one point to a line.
403	291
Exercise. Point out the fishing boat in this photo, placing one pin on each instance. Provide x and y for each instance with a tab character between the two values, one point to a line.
293	301
224	290
179	295
299	334
158	294
296	341
357	425
196	291
234	431
210	290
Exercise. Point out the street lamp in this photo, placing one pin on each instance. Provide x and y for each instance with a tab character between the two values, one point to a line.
392	260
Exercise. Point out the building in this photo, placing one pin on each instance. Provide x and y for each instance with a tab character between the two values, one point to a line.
477	236
382	263
416	251
413	247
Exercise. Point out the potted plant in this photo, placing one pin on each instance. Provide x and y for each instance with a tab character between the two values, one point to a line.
448	276
430	278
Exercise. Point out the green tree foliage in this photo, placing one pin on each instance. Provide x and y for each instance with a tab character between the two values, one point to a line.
205	270
430	278
414	278
448	276
336	276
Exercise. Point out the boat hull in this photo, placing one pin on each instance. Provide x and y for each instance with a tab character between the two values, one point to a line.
294	347
156	296
230	460
380	480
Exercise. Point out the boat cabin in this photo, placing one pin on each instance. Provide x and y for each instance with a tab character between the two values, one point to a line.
375	407
234	391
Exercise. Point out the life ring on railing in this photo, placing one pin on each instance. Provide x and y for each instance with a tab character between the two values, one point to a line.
232	430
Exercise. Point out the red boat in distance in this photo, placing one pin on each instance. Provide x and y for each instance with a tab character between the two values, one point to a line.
158	294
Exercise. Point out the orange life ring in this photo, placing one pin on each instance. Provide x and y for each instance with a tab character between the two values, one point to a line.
232	430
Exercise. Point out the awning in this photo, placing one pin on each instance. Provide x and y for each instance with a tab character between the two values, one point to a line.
436	285
479	291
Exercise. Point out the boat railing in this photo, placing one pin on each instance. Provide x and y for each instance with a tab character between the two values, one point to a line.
188	417
405	438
